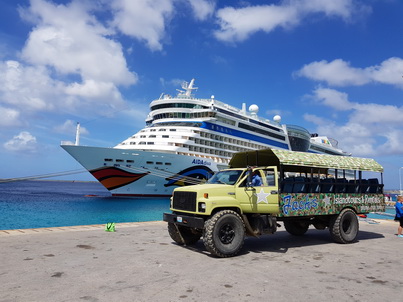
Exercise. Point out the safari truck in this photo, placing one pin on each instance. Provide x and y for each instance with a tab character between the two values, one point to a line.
299	189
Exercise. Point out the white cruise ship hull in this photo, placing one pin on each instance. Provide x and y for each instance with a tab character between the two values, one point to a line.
136	173
185	140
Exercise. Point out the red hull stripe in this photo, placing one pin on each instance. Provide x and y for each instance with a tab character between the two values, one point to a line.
113	178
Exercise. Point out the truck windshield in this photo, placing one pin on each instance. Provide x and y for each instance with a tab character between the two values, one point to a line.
226	177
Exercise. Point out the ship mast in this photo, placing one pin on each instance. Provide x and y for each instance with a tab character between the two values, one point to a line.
188	87
77	134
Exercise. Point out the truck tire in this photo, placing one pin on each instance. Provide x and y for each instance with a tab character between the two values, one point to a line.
224	234
183	235
344	226
296	227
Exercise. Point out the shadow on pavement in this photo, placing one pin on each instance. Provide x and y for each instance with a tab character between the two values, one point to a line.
282	241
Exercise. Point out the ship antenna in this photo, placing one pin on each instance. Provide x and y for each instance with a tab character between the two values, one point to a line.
78	134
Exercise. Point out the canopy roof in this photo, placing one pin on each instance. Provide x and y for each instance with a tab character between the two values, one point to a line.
299	161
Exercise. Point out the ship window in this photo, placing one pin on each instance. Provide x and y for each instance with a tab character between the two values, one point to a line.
159	163
142	143
165	136
130	161
172	129
152	136
168	164
149	162
108	159
178	105
261	131
162	130
119	160
150	143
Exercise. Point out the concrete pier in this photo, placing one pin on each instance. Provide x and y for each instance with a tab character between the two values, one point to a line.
139	262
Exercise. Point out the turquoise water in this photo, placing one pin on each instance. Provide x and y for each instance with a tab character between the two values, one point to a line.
388	214
38	204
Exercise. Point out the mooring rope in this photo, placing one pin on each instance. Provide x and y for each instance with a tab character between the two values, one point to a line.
155	172
42	176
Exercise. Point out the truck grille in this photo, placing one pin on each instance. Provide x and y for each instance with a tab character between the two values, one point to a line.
184	201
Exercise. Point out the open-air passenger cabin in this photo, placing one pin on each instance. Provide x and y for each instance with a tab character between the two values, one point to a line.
303	172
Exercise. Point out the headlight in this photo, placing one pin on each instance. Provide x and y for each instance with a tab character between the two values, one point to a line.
202	207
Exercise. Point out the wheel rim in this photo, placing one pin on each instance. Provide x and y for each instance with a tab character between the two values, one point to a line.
227	234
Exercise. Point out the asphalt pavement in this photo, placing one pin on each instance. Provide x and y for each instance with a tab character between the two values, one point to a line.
140	262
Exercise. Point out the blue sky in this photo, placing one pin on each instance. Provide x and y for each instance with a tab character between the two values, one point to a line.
333	67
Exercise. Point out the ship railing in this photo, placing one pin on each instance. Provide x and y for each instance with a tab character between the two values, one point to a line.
248	114
66	143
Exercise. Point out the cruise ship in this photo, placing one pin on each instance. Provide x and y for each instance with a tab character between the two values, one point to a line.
185	140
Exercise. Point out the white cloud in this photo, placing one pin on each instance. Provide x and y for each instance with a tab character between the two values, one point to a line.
344	9
22	142
68	64
370	129
237	24
27	87
332	98
69	39
9	117
144	20
389	71
103	94
340	73
69	127
337	72
202	9
377	113
172	82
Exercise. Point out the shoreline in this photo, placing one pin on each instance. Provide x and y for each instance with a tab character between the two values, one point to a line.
118	226
74	228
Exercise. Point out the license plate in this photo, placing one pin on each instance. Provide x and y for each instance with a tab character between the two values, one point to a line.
179	219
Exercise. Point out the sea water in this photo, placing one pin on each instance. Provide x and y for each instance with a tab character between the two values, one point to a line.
39	204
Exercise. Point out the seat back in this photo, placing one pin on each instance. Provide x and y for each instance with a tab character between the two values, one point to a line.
373	185
327	185
352	186
287	185
340	185
315	185
300	185
363	186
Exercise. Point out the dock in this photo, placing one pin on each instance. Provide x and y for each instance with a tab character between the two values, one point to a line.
140	262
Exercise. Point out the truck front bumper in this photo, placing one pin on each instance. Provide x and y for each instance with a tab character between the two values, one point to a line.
188	221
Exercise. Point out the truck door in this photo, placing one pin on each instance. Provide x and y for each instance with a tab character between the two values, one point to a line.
259	198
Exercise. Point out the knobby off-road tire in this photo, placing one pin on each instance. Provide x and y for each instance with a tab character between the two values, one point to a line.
224	234
344	227
296	227
186	236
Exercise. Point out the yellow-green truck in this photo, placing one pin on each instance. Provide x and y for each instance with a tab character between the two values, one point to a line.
264	187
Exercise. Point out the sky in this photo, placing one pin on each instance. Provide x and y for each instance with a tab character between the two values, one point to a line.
333	67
